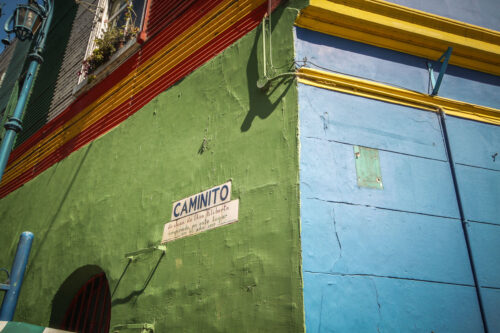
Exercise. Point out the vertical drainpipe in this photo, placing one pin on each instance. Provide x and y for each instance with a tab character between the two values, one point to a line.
442	118
143	35
16	276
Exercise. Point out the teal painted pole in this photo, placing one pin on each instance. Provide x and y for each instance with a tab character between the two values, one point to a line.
16	276
446	58
14	125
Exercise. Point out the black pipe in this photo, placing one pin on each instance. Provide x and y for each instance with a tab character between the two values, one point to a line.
442	117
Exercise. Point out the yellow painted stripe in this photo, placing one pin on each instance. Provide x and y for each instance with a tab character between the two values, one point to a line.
122	91
407	30
374	90
170	55
200	34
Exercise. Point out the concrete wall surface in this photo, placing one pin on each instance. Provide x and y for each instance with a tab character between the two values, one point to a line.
475	147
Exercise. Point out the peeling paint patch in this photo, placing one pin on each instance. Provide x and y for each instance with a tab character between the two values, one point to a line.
368	167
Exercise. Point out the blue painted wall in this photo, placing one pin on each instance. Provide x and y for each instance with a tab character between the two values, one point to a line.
355	303
475	147
392	260
396	260
394	68
484	13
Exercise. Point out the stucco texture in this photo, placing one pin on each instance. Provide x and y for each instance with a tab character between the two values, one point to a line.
114	195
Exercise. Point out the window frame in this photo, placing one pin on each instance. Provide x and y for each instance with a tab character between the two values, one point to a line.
101	22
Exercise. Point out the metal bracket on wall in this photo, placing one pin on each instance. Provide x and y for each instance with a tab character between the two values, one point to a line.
145	328
435	84
133	255
264	82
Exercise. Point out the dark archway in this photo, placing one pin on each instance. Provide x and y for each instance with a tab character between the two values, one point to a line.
83	302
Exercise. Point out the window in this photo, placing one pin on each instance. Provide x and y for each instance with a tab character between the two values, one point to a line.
116	25
125	16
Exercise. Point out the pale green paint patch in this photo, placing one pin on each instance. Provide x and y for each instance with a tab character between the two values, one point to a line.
368	167
114	195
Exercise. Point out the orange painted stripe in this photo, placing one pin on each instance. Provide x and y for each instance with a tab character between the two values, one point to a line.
198	11
214	23
196	59
171	29
122	91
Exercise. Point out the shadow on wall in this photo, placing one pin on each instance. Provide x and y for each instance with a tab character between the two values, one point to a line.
349	47
135	293
260	104
69	288
50	224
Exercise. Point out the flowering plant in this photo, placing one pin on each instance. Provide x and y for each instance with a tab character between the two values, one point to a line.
112	40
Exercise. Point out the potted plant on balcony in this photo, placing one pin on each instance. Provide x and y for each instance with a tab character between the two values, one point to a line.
111	41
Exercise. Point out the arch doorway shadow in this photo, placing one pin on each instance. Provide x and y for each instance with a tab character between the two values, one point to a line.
83	302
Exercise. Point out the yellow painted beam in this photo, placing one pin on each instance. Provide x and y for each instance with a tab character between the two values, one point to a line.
407	30
383	92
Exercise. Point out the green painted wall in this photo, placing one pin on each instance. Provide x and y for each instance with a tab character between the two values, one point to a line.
114	196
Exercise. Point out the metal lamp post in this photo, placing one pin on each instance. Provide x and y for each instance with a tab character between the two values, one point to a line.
24	22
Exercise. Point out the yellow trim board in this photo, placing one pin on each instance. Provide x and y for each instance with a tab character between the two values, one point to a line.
407	30
374	90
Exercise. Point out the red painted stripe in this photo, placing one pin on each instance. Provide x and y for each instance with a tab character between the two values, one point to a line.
82	303
104	296
89	302
82	102
127	108
96	303
176	28
107	304
222	41
165	12
195	13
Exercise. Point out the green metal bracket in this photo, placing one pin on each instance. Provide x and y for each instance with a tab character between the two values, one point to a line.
145	328
133	255
368	167
435	84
